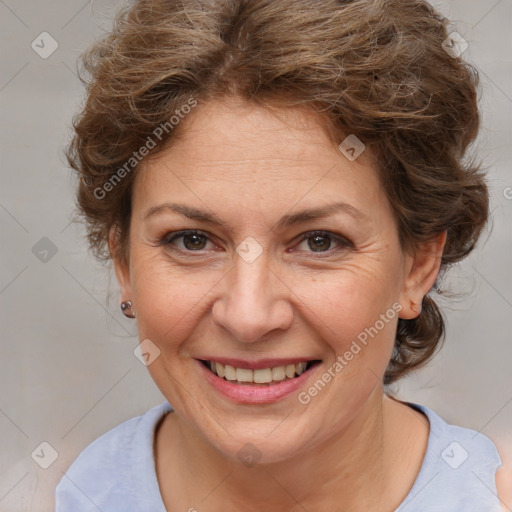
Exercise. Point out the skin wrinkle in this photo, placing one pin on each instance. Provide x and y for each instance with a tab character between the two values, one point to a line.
282	304
375	69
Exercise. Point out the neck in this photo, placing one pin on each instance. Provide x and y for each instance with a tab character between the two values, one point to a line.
351	470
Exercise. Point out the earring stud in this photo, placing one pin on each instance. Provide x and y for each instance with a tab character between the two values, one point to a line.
126	308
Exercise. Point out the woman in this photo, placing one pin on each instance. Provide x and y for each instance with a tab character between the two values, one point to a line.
279	184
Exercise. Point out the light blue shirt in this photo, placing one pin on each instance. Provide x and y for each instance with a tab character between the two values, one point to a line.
116	473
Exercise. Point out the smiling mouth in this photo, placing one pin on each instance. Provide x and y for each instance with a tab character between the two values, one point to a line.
259	377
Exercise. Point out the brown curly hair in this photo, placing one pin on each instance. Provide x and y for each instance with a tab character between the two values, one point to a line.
374	68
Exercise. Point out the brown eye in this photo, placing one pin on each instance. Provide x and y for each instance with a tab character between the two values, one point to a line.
194	241
319	243
322	241
190	240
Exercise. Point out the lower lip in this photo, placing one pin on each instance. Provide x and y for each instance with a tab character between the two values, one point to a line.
250	394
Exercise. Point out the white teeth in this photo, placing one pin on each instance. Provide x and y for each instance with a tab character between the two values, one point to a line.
229	372
263	376
278	373
244	375
300	368
260	376
290	371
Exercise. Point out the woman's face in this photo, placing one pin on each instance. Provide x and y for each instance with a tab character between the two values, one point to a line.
291	256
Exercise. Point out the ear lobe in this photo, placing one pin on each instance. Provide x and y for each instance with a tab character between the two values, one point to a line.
421	272
121	267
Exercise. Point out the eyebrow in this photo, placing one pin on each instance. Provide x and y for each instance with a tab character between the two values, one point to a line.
286	221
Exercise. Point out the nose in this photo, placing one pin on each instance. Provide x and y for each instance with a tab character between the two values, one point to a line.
253	302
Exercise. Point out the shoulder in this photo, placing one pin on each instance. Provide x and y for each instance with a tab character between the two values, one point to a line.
460	447
458	471
115	469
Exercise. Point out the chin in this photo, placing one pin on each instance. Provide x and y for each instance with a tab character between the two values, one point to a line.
260	447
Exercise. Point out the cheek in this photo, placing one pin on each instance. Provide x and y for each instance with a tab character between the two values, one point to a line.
347	302
340	303
170	302
360	335
355	316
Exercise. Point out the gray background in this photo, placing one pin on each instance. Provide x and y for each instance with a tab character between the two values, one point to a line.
68	370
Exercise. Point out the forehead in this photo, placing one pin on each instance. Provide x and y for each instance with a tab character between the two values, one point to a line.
246	153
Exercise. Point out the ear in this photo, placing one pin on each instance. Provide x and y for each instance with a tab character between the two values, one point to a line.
422	269
121	267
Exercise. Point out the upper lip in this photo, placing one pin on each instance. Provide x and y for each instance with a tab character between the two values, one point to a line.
260	363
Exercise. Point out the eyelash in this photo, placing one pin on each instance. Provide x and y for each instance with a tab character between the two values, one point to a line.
342	241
